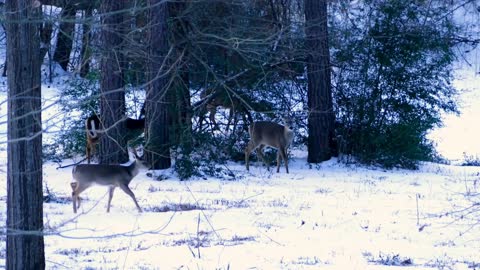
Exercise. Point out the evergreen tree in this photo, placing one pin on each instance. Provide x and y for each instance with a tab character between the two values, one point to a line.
25	244
393	79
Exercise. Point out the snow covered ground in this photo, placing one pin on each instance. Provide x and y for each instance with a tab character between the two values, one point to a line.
330	216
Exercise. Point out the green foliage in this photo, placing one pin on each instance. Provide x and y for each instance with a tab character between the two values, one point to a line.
69	142
78	101
187	167
210	156
393	81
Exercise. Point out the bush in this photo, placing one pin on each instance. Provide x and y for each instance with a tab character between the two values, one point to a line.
393	81
470	160
210	155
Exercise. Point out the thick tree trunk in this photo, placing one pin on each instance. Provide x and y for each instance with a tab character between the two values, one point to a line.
157	147
45	37
65	37
25	245
321	116
112	101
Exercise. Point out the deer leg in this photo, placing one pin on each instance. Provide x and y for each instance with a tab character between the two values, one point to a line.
88	151
93	150
278	160
249	116
129	192
283	151
231	115
77	188
250	147
260	154
235	122
110	196
74	187
247	155
245	123
213	112
201	117
91	143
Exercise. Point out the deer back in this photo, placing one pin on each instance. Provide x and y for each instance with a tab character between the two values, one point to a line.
271	134
106	175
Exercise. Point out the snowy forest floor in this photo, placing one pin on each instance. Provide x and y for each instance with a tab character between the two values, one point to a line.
332	216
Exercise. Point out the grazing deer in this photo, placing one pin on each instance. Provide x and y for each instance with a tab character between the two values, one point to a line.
85	175
227	101
135	128
266	133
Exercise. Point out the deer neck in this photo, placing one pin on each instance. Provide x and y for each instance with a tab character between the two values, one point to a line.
133	168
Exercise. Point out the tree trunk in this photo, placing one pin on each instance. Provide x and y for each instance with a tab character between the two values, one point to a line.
45	37
321	116
181	111
65	37
157	146
182	107
25	245
85	51
112	101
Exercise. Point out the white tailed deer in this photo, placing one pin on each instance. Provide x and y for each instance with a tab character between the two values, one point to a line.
92	128
266	133
86	175
135	128
228	101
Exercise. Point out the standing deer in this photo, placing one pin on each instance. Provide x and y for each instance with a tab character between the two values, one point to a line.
135	128
92	129
85	175
266	133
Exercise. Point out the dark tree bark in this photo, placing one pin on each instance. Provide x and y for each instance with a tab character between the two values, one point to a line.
85	52
45	37
182	108
157	146
65	37
181	111
321	116
112	101
25	245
